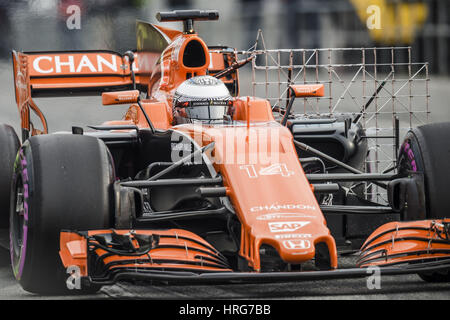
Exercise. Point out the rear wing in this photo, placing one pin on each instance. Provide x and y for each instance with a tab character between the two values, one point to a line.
59	73
78	73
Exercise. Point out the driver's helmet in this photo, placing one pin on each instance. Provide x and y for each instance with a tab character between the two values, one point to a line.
201	98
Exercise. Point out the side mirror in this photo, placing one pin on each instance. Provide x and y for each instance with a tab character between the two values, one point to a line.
308	90
301	91
120	97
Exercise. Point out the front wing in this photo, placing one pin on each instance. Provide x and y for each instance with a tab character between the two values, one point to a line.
104	257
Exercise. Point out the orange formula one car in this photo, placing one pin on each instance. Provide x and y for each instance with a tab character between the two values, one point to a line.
198	184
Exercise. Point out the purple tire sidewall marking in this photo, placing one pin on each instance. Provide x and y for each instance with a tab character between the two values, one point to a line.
18	268
409	152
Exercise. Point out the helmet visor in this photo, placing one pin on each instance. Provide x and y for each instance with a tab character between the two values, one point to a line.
207	110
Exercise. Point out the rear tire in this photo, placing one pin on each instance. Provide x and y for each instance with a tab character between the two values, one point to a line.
427	149
60	182
9	145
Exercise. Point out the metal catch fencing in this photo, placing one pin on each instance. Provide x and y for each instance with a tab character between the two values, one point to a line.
380	88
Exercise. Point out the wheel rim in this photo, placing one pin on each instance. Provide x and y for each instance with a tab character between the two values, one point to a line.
18	227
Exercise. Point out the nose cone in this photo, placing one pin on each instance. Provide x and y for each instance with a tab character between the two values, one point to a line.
296	241
272	196
296	251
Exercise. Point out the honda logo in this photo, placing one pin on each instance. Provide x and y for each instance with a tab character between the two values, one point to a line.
297	244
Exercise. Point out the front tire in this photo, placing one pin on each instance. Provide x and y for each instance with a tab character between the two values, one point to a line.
436	277
60	182
427	149
9	145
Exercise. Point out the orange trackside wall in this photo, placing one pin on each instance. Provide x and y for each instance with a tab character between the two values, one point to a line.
260	109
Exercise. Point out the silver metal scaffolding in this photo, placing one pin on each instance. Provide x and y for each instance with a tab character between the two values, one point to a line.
396	87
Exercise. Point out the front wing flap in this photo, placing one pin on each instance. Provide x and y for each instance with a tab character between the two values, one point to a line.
104	257
101	253
408	242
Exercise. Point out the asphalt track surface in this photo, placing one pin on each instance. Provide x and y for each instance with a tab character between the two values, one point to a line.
391	288
63	113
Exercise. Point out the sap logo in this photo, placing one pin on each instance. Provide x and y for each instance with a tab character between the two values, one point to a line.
54	64
289	226
296	244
